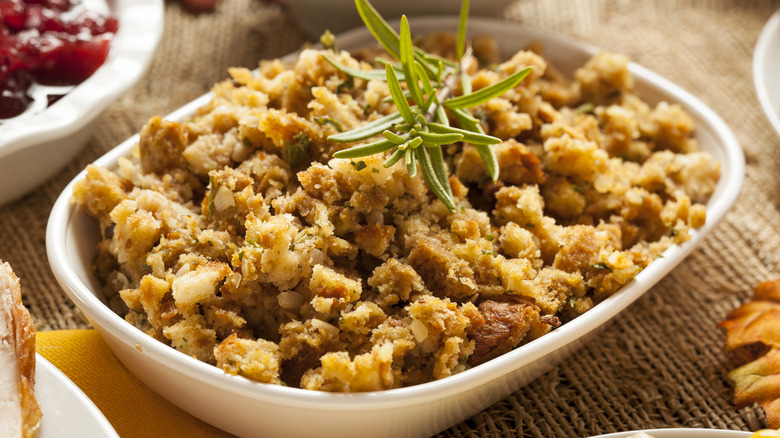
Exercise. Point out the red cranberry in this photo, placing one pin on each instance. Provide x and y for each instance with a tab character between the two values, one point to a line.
67	60
96	24
38	43
60	5
13	95
43	19
13	15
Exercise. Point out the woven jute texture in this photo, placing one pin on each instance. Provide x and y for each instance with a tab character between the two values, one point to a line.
660	363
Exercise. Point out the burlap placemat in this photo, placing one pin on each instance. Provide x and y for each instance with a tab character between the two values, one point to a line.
660	363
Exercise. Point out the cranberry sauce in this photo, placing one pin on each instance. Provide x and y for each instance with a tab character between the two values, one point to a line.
51	42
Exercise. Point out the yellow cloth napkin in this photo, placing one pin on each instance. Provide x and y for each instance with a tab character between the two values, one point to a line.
132	408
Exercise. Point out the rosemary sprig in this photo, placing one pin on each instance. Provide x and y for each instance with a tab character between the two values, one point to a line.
416	132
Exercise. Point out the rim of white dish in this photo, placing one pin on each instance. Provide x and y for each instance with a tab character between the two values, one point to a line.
129	56
101	315
762	50
67	392
680	432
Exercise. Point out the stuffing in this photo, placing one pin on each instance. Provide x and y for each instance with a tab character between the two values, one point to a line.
235	237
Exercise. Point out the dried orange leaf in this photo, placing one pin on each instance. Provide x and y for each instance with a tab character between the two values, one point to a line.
754	321
753	329
757	381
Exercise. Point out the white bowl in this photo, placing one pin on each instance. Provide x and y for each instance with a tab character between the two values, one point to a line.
36	144
766	70
248	408
313	17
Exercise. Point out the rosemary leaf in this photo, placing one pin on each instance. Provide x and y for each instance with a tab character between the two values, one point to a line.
378	27
365	150
460	45
366	75
407	62
433	59
397	155
422	58
474	138
403	127
489	92
389	99
396	66
367	130
467	121
389	39
398	95
433	181
429	101
395	138
413	143
439	72
488	160
439	167
411	165
426	81
435	139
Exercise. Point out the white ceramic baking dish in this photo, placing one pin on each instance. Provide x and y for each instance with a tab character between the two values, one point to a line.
247	408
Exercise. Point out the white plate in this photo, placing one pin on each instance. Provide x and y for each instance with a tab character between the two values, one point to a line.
67	411
681	433
766	70
248	408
